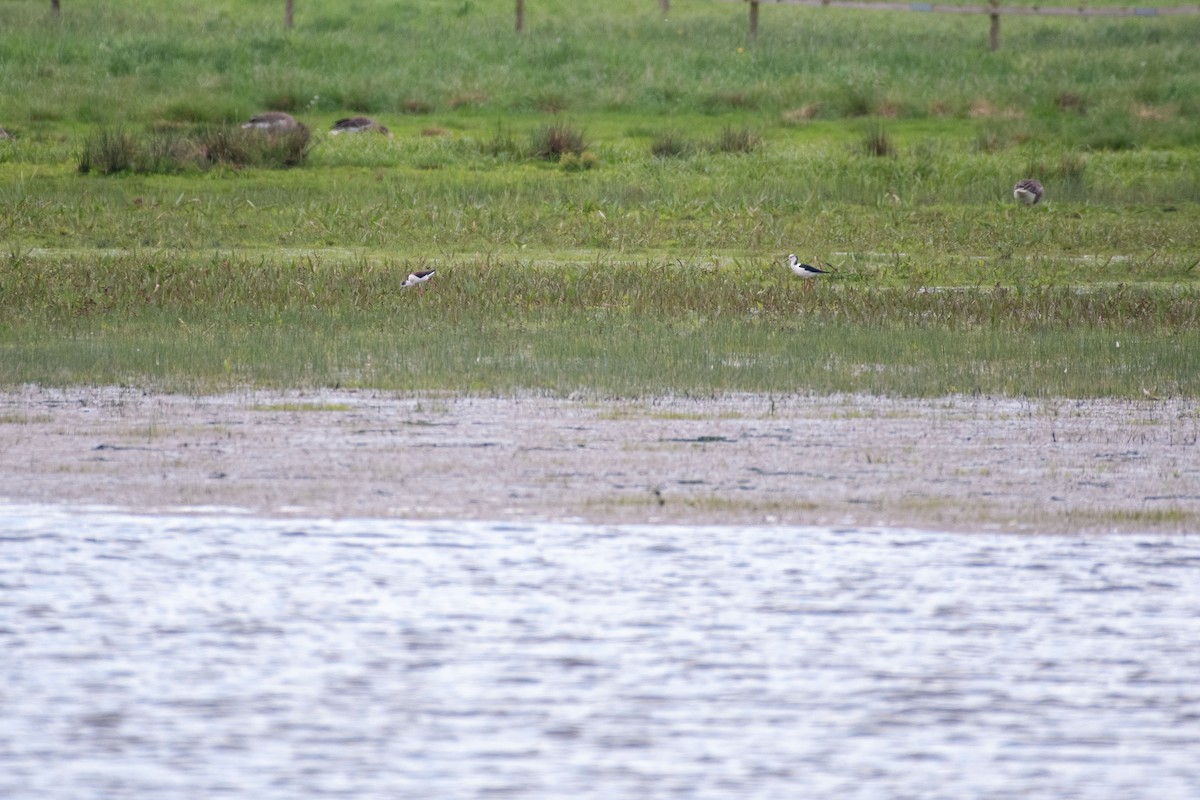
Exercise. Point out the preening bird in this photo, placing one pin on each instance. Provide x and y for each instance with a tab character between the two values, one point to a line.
1028	192
358	125
805	271
417	277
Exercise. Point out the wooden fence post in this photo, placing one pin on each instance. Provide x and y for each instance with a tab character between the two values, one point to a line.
289	17
520	15
664	6
994	32
753	18
54	8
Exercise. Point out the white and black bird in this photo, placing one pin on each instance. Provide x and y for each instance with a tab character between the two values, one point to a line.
358	125
805	271
274	121
1028	192
417	277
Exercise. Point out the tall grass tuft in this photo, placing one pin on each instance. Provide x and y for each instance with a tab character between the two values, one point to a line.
502	144
991	139
579	163
551	142
671	144
737	140
241	147
1070	173
112	150
877	142
109	151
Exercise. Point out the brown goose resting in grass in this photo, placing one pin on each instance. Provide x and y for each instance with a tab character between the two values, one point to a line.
1028	192
358	125
275	121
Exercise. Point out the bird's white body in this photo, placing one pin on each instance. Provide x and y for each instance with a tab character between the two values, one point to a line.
420	276
806	271
1028	192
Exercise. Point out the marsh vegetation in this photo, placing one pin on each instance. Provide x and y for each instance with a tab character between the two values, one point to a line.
607	199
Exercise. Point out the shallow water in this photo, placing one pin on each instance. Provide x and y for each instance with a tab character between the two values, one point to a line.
228	656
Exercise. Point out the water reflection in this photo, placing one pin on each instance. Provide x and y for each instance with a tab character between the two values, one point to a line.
183	657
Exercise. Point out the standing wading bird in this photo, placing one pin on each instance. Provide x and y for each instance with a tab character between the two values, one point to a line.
806	271
358	125
418	277
1028	192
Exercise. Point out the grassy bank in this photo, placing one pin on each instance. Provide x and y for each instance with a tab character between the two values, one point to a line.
126	61
883	146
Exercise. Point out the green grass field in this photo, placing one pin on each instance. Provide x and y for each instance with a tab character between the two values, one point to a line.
883	145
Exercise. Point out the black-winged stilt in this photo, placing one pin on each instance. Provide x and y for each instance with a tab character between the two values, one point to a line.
417	277
805	271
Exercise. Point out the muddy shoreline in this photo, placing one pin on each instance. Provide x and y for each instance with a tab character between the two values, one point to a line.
959	464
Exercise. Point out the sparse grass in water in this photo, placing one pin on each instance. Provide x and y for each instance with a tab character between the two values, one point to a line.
623	329
303	407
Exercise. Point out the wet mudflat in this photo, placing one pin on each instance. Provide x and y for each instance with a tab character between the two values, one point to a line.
962	464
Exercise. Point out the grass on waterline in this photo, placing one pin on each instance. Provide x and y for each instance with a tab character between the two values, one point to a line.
599	355
609	328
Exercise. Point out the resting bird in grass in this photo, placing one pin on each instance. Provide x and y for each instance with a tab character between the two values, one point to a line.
1028	192
417	277
358	125
805	271
276	121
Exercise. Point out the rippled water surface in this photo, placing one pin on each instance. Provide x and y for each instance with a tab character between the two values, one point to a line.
202	657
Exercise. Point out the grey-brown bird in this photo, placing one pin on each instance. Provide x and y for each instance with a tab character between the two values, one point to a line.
275	121
358	125
1028	192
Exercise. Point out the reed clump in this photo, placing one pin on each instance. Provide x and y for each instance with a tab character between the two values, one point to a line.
113	150
735	139
552	142
671	144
